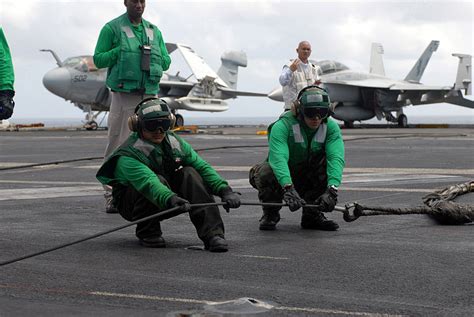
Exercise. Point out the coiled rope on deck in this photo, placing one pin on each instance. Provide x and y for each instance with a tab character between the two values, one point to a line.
439	205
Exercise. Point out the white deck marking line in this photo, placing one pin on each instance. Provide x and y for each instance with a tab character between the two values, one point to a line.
395	170
206	302
260	257
50	192
12	164
243	182
4	181
382	170
78	191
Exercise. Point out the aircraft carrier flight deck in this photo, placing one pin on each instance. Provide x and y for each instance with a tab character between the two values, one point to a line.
389	265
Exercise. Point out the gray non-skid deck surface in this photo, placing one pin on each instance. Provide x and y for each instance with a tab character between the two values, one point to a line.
393	265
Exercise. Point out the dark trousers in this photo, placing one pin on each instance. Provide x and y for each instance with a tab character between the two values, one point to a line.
186	183
309	179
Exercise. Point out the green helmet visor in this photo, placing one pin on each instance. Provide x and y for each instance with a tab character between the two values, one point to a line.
161	124
314	112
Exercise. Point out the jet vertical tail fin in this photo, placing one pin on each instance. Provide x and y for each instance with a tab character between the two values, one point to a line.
229	69
464	74
376	62
418	69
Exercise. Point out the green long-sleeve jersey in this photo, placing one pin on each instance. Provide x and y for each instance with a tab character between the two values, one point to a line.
7	76
292	142
137	162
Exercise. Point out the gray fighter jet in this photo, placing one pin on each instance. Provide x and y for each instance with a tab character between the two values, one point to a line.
78	80
360	96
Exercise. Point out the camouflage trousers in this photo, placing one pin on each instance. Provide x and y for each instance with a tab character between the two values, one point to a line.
309	179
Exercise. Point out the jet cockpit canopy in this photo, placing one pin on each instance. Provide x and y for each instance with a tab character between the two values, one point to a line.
83	64
329	66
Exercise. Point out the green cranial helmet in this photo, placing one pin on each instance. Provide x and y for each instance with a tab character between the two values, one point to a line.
152	108
314	103
314	97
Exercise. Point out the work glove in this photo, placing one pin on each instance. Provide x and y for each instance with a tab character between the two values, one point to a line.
176	201
230	197
292	199
6	104
328	200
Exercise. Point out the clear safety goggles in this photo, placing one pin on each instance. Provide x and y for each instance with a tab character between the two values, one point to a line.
152	125
313	112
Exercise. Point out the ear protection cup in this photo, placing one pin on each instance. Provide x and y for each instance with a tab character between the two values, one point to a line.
133	123
332	107
172	118
295	108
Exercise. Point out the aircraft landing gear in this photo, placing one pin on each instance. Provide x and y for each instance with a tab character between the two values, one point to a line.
402	121
349	124
179	120
91	125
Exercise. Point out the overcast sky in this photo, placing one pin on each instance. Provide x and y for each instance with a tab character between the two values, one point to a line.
268	31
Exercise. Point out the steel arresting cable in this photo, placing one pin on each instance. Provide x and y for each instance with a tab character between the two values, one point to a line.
165	214
439	207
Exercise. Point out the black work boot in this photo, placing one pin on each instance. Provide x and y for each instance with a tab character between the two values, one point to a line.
317	221
269	220
153	242
216	243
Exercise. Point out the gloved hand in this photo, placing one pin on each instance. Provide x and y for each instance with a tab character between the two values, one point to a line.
328	200
230	197
6	104
292	198
176	201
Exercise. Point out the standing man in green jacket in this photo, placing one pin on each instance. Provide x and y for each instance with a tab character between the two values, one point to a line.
135	54
155	169
7	78
304	164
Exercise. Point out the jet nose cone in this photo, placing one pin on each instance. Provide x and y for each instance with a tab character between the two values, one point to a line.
276	94
58	81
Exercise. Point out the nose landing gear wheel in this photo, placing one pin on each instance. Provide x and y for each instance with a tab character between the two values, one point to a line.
402	121
91	126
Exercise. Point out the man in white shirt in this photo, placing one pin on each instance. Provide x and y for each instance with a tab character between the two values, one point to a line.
298	74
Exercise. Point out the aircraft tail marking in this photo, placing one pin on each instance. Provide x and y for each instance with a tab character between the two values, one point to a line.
418	69
464	74
376	62
229	69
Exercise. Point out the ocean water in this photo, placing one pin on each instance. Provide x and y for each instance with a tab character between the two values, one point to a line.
78	122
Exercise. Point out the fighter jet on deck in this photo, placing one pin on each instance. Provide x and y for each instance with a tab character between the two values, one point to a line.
78	80
360	96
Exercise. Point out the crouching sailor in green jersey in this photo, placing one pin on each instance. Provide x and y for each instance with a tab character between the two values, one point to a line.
155	169
304	164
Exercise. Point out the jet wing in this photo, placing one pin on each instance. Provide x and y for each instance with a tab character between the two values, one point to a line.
408	93
199	68
234	93
408	86
179	84
385	84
